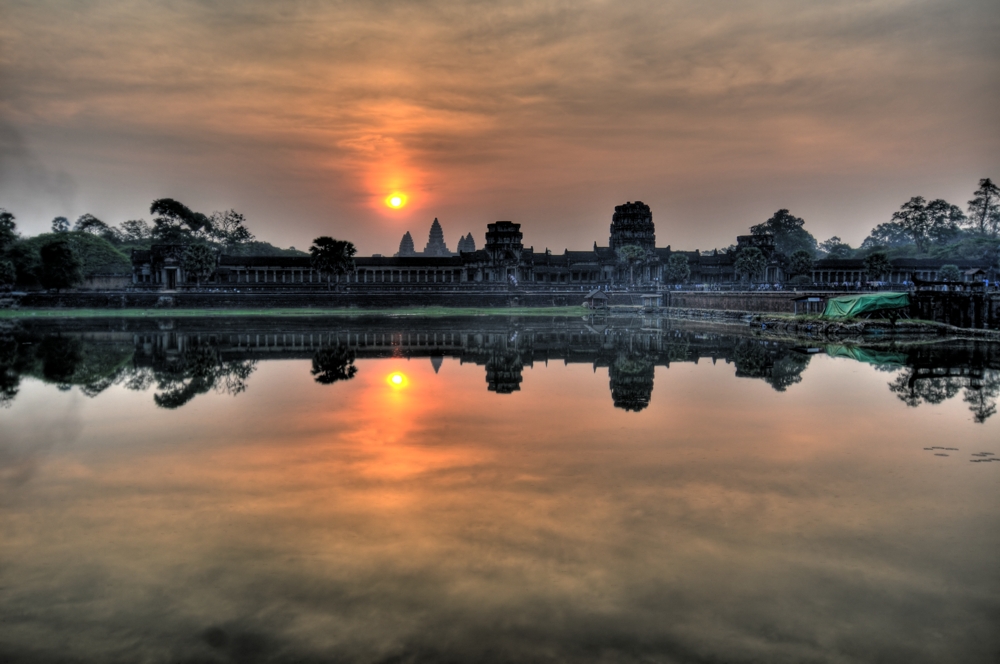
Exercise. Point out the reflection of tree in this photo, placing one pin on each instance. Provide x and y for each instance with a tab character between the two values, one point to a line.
631	377
787	371
982	398
10	374
503	371
779	367
751	359
914	390
333	363
60	357
197	371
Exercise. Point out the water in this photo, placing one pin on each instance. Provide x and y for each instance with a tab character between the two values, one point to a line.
530	490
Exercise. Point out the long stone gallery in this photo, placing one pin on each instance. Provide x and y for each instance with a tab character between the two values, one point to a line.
505	262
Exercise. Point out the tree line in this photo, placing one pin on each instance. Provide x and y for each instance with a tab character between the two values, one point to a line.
64	256
920	228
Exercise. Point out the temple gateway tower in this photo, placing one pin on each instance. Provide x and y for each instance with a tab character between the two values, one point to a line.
632	223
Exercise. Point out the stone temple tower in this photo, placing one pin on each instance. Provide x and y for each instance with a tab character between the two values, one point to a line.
632	223
406	247
435	242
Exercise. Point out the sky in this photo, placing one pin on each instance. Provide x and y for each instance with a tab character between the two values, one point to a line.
306	115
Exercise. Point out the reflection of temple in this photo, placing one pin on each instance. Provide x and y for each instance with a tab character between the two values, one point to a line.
185	358
221	354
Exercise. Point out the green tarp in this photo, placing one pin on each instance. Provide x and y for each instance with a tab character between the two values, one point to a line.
849	306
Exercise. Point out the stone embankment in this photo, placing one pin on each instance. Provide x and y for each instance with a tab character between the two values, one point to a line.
832	329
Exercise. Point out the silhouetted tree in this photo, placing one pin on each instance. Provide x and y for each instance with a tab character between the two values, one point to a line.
926	223
60	266
949	272
199	259
8	231
887	235
8	275
836	248
789	234
60	225
332	257
135	231
333	363
230	229
984	208
677	269
176	223
800	263
631	255
877	265
750	264
946	221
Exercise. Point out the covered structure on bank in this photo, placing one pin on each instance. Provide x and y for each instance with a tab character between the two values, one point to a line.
853	306
596	299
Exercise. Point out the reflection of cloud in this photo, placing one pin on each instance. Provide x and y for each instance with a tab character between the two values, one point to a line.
22	449
444	523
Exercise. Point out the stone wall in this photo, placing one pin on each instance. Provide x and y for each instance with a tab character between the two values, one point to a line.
962	309
749	301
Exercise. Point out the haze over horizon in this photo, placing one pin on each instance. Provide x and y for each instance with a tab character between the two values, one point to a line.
306	115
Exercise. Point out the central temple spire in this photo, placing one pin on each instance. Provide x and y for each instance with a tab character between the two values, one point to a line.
435	241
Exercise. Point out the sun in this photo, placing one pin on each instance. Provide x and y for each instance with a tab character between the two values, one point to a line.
395	200
397	380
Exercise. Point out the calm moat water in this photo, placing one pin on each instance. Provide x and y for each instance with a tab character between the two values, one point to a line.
492	490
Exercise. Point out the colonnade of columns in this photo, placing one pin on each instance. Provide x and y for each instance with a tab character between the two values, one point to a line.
852	276
363	276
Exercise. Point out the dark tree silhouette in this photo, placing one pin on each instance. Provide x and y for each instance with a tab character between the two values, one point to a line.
877	265
984	208
199	259
8	230
677	269
789	234
333	363
800	263
60	266
60	357
176	223
332	257
631	255
750	264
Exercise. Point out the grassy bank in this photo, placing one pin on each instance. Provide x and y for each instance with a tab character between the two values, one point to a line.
416	312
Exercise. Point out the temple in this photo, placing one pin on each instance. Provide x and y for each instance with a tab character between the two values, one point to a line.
630	259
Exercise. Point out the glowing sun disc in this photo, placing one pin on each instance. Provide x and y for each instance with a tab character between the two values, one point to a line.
395	200
397	380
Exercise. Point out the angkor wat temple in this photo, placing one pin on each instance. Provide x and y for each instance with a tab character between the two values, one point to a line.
504	262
